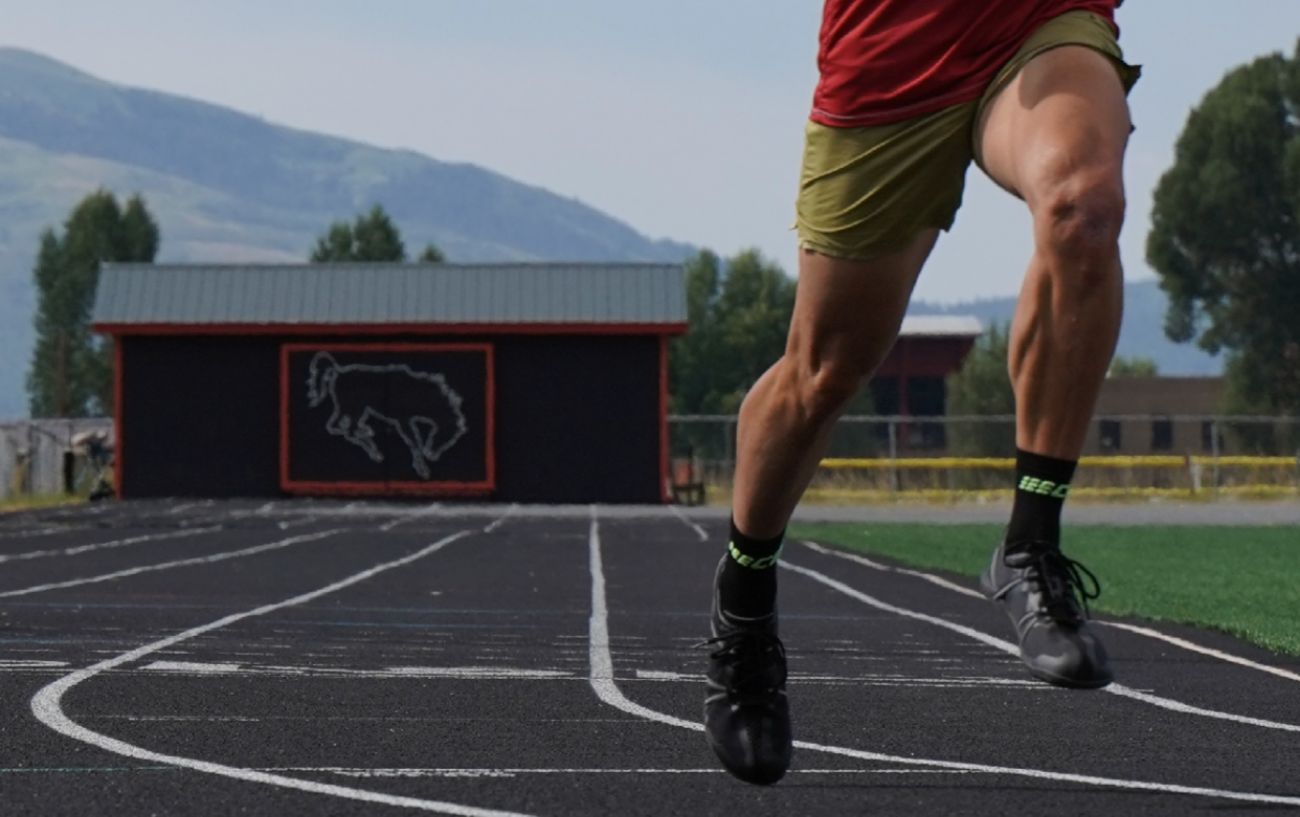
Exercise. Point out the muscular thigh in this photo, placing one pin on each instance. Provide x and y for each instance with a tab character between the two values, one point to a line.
1064	114
1057	109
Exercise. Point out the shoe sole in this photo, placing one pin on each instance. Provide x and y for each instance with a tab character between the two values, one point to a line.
986	587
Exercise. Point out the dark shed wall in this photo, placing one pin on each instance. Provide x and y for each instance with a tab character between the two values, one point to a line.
577	418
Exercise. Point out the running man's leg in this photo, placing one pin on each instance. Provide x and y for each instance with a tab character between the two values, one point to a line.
846	317
1055	136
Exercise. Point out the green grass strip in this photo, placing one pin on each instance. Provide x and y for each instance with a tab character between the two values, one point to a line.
1240	580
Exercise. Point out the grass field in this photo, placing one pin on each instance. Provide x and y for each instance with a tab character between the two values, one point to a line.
1244	581
30	501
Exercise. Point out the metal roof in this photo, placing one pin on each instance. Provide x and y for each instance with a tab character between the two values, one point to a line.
939	326
376	294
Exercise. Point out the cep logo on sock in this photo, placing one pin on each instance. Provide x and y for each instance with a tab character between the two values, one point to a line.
1044	487
749	561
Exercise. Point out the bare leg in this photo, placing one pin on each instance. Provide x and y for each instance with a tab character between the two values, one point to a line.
1056	138
846	317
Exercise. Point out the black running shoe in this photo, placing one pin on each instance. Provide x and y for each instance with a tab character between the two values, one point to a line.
1044	593
746	716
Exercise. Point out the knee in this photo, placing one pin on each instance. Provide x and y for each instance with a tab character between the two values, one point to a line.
824	389
1078	223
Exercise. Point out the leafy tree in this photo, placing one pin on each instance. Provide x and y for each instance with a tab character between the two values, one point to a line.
371	236
739	314
432	255
983	387
71	372
1225	234
1132	367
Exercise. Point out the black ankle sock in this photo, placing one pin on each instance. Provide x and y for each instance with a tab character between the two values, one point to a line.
1041	486
747	581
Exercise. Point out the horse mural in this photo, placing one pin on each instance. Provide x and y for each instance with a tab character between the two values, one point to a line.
428	434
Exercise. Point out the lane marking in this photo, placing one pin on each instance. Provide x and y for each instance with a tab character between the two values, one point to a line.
1119	625
602	682
26	663
699	531
514	506
1213	653
411	516
34	532
185	506
1011	649
114	543
477	673
47	706
192	667
506	773
197	560
871	680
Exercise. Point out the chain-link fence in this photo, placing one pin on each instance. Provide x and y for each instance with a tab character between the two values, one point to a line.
1127	455
50	457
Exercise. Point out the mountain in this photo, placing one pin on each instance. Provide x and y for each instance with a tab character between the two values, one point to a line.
1141	334
226	186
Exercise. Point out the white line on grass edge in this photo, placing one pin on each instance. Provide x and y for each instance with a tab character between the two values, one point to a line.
1119	625
48	709
602	682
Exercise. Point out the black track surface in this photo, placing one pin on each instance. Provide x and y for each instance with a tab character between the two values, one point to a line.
463	679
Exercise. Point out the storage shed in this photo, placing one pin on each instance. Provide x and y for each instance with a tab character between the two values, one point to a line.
518	383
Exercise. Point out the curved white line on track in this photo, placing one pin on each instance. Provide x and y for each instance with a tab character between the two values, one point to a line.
197	560
602	681
115	543
1119	625
47	706
699	531
1011	649
1194	647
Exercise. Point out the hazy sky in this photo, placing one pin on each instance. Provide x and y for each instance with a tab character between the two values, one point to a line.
682	117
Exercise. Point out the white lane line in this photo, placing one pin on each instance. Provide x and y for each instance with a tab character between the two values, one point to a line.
1119	625
185	506
507	773
294	523
47	706
197	560
25	663
411	516
1194	647
699	531
514	506
195	667
34	532
320	671
884	568
602	682
115	543
1011	649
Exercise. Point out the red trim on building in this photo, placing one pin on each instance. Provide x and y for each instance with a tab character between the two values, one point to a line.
118	402
484	487
218	329
665	489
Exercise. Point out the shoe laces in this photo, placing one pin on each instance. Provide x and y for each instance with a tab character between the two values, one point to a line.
752	654
1065	583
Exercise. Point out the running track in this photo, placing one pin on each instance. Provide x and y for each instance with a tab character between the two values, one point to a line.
365	658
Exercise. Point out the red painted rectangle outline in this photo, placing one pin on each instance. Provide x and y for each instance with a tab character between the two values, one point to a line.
487	486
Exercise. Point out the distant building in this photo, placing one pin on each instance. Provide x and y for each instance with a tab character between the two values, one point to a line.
517	382
1157	415
912	380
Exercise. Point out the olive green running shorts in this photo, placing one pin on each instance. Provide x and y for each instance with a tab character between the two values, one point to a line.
866	191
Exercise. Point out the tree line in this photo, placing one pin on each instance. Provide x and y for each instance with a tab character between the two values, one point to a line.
71	370
1224	241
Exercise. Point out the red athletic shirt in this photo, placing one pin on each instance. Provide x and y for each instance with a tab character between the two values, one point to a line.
884	61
